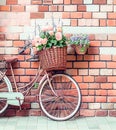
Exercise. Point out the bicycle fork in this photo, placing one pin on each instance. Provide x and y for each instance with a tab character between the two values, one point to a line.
50	85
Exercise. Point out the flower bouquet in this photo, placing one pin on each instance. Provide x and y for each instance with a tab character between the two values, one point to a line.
51	45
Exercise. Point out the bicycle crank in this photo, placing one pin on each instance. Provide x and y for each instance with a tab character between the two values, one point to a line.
13	98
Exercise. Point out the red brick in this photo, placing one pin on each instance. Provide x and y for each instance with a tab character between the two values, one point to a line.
43	8
93	50
82	8
26	105
97	65
30	99
3	29
111	37
53	8
74	22
13	36
18	43
5	8
95	43
30	72
100	2
17	8
65	15
86	112
100	79
77	1
103	22
114	43
105	57
2	37
82	85
100	99
60	8
92	37
97	57
84	105
24	64
80	64
89	57
36	2
84	92
78	78
34	65
24	79
114	58
112	79
19	71
87	15
106	86
106	43
38	15
112	15
94	86
91	92
71	58
67	1
111	23
112	113
101	113
114	1
72	71
87	98
101	92
88	78
10	112
112	99
22	112
111	64
76	14
34	112
79	57
11	2
112	92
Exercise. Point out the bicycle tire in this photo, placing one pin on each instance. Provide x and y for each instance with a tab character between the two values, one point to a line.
4	87
67	102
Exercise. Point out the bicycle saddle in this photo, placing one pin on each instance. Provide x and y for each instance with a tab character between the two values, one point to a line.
10	59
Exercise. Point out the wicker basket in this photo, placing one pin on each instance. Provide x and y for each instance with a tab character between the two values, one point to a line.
53	58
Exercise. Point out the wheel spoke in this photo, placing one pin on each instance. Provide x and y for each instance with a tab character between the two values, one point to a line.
66	103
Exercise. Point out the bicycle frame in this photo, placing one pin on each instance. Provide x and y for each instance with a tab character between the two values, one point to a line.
17	98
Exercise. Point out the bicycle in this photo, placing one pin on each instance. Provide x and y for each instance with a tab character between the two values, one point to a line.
59	95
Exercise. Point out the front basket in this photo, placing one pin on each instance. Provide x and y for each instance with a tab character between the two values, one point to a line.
53	58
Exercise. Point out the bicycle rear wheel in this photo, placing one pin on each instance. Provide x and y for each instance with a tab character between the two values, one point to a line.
66	101
4	87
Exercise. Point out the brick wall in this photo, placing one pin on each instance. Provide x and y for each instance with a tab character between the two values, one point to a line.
95	71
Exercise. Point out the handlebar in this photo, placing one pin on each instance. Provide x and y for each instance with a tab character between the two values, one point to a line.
34	57
24	48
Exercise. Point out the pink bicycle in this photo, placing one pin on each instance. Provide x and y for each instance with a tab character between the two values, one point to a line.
59	95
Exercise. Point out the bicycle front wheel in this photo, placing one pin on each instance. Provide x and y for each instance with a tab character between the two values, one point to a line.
63	102
4	87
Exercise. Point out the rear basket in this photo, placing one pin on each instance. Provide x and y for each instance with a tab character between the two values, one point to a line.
53	58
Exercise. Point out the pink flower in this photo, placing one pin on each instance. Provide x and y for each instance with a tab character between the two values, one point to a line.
47	28
50	28
59	29
44	29
51	33
58	36
44	41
